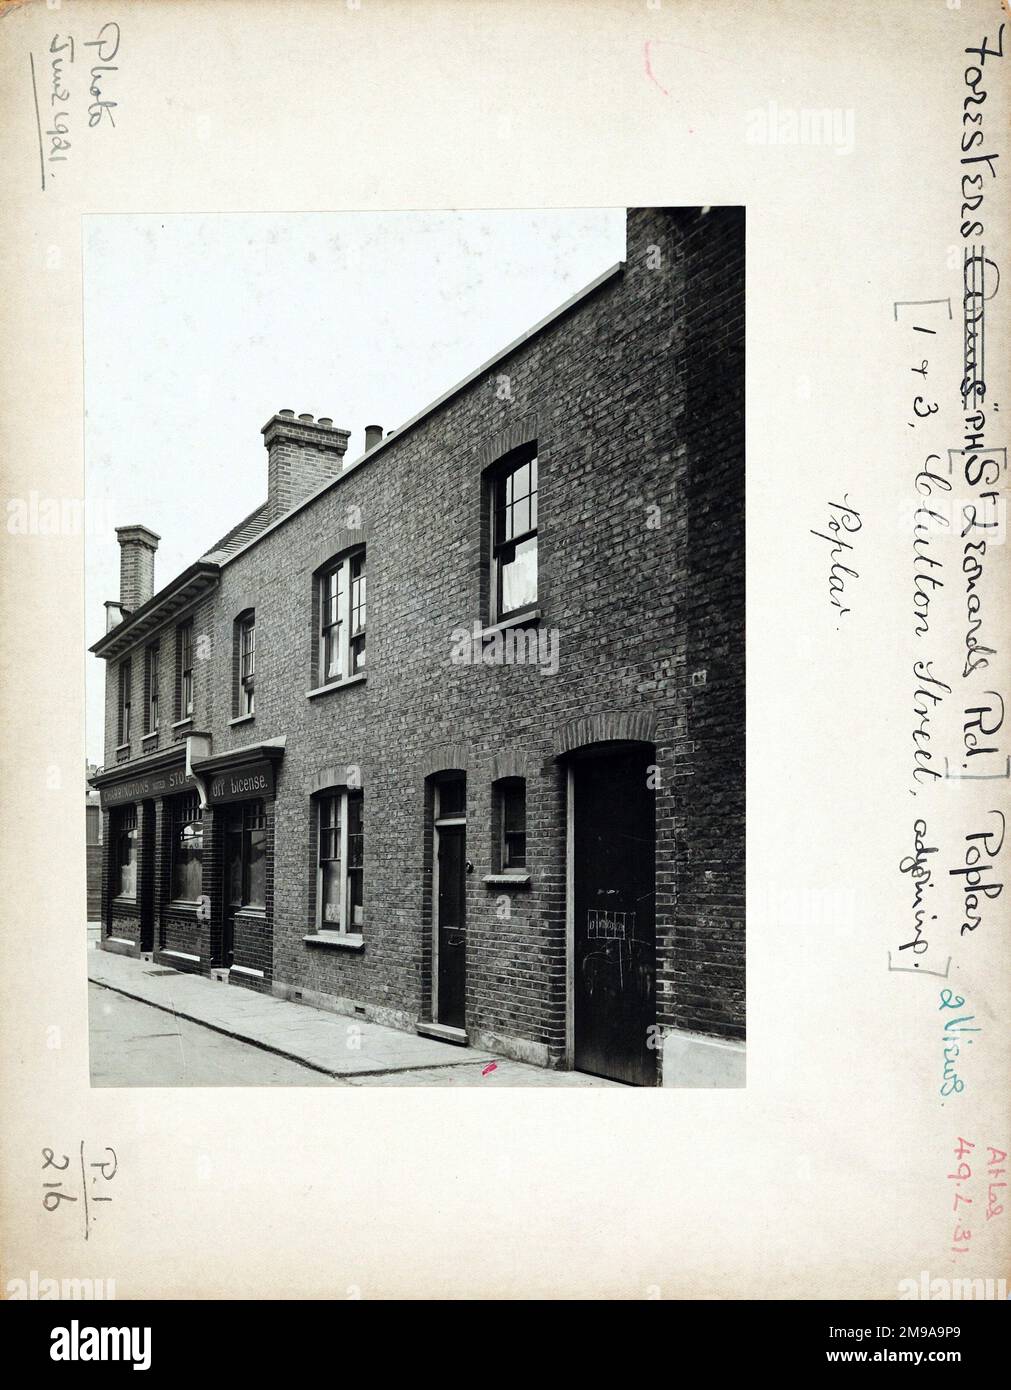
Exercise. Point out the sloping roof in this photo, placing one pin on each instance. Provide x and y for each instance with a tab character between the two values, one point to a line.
248	529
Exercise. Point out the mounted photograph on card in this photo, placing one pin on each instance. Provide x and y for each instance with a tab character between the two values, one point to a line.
416	751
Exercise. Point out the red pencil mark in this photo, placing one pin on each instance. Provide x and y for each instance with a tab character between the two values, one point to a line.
649	66
492	1066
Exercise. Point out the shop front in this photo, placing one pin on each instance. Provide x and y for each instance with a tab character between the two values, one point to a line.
131	801
188	861
238	871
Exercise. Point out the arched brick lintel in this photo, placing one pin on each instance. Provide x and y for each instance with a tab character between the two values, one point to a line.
336	775
245	604
339	542
447	757
511	762
519	432
638	726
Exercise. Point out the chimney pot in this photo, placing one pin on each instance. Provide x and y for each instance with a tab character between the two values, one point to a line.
303	456
113	614
324	420
373	436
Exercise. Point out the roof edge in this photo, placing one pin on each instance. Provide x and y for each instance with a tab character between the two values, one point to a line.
604	278
121	630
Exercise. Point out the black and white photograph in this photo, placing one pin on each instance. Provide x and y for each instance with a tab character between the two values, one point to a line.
428	769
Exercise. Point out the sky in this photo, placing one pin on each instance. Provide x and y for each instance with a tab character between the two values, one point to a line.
199	327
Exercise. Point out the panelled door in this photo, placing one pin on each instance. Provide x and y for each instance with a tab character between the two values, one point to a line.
614	937
451	901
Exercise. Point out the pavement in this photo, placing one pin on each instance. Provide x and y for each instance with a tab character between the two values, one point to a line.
133	1044
328	1047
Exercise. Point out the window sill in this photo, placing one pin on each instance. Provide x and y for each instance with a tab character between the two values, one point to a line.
347	941
246	970
507	880
182	905
532	615
241	719
149	737
182	723
358	679
124	902
250	914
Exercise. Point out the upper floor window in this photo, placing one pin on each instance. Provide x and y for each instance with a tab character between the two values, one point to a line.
187	848
124	852
184	660
245	646
514	536
340	904
123	724
512	815
151	678
342	618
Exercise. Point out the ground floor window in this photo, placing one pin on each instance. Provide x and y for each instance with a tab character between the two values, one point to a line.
246	854
187	848
340	904
124	853
512	812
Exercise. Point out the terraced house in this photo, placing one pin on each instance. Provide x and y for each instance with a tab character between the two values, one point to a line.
451	736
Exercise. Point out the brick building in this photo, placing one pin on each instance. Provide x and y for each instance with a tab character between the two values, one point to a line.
451	736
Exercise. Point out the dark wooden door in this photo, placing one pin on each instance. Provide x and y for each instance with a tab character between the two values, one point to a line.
614	855
145	885
234	878
452	926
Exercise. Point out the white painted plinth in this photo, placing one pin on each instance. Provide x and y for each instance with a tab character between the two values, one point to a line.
696	1062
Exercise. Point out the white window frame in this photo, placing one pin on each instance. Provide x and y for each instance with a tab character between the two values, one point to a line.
503	470
343	620
247	664
125	701
345	927
152	709
184	639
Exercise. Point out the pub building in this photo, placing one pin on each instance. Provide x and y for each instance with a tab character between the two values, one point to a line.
451	736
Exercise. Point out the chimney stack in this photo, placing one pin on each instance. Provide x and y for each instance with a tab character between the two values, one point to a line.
302	455
373	436
137	546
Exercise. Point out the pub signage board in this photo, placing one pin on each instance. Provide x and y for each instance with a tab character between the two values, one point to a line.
153	784
254	781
